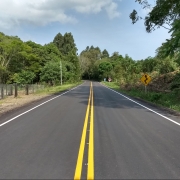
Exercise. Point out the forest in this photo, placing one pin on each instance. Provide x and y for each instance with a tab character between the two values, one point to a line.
28	62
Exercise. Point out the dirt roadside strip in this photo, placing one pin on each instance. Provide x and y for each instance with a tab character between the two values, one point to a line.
10	103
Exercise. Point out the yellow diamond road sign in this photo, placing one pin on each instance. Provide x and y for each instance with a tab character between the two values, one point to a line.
145	79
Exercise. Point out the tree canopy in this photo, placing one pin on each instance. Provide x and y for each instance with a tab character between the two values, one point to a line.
166	13
65	43
26	62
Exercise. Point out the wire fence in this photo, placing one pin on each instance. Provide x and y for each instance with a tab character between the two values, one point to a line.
18	89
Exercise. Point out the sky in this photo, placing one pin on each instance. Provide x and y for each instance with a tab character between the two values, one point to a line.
102	23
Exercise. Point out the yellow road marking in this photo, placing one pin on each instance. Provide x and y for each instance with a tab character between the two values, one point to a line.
82	144
90	172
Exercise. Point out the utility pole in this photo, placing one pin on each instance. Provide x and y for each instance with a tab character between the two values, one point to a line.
61	72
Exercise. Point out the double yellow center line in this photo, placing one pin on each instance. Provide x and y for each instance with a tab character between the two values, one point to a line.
90	168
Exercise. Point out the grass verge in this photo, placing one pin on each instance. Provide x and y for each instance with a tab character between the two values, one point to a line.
169	100
56	89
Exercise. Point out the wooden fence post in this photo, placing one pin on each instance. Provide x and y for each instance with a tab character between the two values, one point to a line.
33	88
27	89
11	90
6	89
2	92
15	90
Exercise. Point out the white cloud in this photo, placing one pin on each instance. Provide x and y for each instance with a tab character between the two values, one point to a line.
112	10
14	13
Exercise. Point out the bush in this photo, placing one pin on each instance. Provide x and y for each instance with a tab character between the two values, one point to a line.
176	82
155	96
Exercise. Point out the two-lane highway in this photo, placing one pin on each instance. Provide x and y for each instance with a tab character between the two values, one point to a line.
89	132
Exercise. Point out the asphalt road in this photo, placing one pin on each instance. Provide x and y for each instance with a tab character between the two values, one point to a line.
89	132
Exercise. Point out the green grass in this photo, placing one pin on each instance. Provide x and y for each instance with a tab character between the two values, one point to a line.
112	85
56	89
1	101
169	100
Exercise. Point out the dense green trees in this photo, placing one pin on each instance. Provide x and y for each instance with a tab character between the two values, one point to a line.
121	69
166	14
105	54
88	57
26	62
65	43
24	77
104	69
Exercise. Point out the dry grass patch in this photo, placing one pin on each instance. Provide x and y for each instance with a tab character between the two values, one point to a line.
10	102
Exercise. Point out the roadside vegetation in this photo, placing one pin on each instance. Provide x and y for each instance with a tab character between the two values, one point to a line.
29	63
49	90
164	99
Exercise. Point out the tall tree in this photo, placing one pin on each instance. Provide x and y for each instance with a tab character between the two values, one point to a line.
69	44
105	54
65	43
87	48
59	41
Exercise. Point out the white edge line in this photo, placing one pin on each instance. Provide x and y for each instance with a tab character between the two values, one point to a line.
143	106
38	106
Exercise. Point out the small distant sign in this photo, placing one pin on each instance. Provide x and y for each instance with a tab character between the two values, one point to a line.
145	79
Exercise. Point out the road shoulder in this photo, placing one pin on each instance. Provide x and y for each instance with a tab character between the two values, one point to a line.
148	103
11	107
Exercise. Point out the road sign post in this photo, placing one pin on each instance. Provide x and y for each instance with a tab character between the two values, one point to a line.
60	66
145	79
